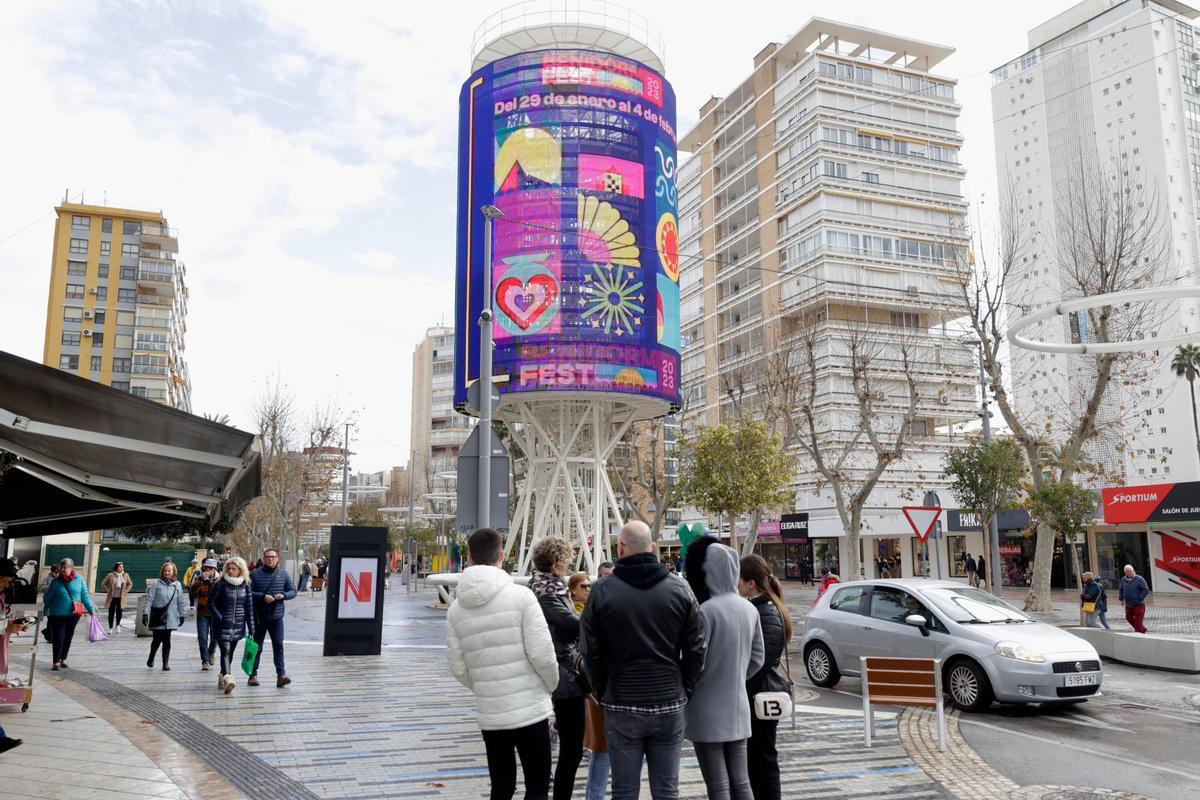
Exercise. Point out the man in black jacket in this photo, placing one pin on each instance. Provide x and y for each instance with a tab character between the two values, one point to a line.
642	647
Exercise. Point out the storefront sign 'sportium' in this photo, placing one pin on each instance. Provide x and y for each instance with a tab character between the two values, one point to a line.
688	534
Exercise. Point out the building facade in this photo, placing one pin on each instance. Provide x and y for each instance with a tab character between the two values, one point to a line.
117	306
438	432
823	201
1106	87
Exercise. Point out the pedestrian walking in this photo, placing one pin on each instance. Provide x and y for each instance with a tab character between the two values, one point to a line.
499	646
271	587
806	571
192	571
717	717
166	610
643	649
972	570
306	571
580	585
980	570
762	589
552	558
201	588
827	579
1133	593
66	600
232	607
1095	602
117	584
44	583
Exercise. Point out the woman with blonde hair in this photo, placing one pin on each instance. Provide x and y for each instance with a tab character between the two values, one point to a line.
166	610
232	609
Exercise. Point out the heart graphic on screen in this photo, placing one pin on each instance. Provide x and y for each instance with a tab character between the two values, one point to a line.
524	302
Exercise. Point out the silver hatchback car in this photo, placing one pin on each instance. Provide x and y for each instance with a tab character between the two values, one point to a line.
989	649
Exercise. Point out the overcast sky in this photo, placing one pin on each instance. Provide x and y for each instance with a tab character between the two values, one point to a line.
305	151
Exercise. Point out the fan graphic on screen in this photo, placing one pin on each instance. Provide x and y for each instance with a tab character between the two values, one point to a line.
613	300
604	237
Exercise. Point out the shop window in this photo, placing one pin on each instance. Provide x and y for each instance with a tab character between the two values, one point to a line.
956	546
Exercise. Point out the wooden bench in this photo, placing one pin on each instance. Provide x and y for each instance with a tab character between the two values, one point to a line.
902	682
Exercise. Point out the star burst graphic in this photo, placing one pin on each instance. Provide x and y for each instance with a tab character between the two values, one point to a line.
613	300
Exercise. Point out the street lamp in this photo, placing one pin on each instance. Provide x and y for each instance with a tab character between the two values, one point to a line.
484	501
985	414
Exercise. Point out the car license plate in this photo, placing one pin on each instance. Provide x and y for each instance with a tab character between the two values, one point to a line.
1087	679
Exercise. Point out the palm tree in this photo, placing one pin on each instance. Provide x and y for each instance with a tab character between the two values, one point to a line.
1186	363
223	419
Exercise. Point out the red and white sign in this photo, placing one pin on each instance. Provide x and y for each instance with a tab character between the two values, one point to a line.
1134	503
360	582
1010	549
922	519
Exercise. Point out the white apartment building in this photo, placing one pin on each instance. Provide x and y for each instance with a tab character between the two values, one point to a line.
437	432
824	194
1114	83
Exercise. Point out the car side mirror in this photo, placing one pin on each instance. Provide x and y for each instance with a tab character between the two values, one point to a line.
918	621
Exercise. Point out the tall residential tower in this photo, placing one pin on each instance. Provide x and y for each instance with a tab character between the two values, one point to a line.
824	198
117	306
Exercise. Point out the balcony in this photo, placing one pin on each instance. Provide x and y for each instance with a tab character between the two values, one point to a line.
154	299
152	322
453	437
159	237
149	369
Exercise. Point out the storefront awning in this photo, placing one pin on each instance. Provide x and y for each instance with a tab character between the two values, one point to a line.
76	455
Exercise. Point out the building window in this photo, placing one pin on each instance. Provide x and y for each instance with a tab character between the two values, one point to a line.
101	292
121	365
70	337
96	363
130	249
72	314
103	270
126	295
121	385
132	227
76	267
97	338
99	317
68	362
124	317
871	177
81	223
74	291
905	319
106	226
128	273
79	247
105	248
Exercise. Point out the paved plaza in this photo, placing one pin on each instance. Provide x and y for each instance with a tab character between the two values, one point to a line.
391	726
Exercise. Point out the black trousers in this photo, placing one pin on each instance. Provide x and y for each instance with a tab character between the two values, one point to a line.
114	612
228	650
762	759
532	746
62	631
569	719
163	638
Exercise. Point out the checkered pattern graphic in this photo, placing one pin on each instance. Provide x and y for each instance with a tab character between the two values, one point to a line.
613	182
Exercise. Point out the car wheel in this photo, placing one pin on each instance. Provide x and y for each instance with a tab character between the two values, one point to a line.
822	669
968	686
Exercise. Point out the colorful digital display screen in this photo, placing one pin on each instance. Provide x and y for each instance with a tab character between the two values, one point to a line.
577	150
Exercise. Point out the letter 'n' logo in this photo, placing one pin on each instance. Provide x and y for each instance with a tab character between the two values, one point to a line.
359	586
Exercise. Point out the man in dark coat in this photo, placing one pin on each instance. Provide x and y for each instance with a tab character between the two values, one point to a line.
270	586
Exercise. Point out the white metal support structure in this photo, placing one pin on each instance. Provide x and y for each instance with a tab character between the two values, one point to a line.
567	441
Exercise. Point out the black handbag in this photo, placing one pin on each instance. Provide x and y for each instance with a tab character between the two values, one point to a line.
158	614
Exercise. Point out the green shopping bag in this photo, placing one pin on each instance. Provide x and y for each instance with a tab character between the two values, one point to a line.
249	653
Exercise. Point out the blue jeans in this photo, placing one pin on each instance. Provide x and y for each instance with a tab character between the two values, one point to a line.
303	583
275	628
656	737
597	777
205	638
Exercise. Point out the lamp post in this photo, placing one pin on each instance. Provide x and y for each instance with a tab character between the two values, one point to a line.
484	516
985	414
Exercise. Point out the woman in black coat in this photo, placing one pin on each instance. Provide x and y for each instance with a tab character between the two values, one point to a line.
552	558
762	589
232	609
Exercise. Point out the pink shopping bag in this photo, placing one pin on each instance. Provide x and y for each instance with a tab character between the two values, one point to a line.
96	630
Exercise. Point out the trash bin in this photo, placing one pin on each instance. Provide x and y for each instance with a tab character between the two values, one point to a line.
140	619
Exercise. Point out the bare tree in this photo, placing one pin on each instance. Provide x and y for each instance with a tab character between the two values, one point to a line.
1110	237
640	476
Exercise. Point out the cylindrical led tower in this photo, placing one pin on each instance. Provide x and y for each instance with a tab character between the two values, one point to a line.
568	127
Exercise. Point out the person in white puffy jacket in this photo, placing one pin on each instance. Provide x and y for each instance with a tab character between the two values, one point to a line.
499	647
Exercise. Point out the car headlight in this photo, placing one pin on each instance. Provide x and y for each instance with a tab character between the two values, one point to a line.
1020	652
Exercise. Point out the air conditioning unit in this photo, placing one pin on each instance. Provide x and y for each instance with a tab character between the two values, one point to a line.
944	399
912	290
93	290
87	313
87	331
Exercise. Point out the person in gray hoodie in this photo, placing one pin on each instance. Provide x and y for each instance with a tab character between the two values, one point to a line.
717	718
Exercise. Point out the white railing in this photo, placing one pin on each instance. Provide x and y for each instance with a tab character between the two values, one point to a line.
592	13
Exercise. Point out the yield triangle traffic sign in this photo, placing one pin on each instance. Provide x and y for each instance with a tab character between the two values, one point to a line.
922	519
